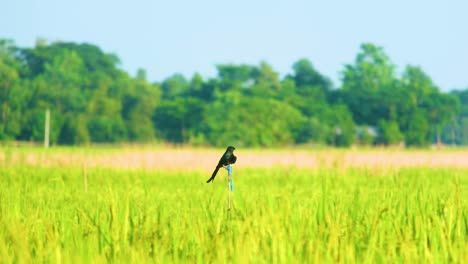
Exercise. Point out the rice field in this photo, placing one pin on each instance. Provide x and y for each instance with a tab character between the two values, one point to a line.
71	206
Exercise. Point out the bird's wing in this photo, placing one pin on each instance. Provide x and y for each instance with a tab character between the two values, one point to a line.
233	159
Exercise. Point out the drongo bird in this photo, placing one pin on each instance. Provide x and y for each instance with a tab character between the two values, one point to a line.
227	158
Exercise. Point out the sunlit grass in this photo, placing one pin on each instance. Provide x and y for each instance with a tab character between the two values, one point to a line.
279	216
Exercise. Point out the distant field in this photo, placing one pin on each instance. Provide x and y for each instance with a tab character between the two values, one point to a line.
143	205
192	158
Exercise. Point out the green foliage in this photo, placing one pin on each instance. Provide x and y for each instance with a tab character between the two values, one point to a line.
107	129
418	131
305	75
75	131
92	100
179	119
312	130
341	124
138	104
174	86
278	215
366	82
367	135
267	123
389	133
234	77
456	131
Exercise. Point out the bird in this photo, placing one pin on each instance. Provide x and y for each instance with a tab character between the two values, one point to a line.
225	160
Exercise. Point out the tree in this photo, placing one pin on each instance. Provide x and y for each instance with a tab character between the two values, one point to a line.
105	123
92	100
418	131
342	127
178	120
266	82
251	121
422	94
235	77
389	133
456	131
441	109
141	75
9	78
75	130
138	104
365	82
305	76
312	130
174	86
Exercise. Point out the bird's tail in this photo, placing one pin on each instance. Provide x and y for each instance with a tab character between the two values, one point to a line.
213	175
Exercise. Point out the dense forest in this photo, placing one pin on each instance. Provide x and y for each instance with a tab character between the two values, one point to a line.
92	100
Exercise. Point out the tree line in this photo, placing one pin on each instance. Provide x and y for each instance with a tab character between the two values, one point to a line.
92	100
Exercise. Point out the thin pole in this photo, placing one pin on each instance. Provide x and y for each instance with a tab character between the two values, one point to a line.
229	169
47	128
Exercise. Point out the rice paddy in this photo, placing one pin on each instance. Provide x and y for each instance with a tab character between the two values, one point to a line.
69	212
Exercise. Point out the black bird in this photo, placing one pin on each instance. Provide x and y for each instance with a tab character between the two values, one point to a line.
227	158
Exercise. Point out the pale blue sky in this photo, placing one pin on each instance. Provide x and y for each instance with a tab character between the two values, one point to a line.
165	37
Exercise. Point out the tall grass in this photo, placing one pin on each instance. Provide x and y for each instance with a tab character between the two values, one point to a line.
279	215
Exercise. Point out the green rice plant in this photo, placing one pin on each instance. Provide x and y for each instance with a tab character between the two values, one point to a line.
278	215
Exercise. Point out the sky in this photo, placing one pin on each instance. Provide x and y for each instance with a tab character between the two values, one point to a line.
167	37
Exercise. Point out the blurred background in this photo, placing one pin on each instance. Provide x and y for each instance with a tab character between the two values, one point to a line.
243	73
